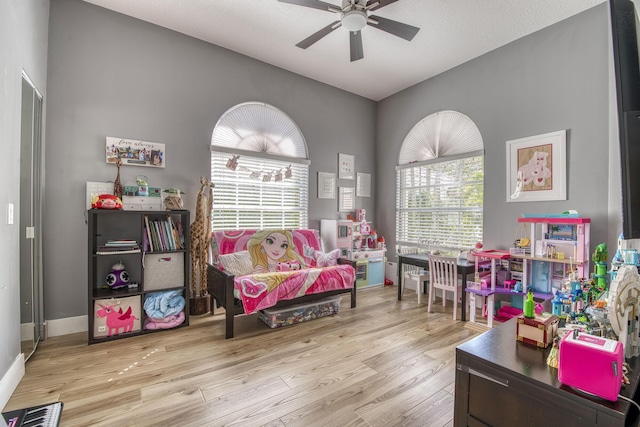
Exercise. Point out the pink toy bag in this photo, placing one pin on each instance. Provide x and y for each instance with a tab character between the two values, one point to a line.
592	364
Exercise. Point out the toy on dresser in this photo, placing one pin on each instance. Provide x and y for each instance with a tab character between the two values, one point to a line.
538	330
601	358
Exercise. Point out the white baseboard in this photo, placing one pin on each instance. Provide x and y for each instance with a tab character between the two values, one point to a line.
68	325
11	379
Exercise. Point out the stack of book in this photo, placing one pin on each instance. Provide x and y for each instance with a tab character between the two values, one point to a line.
121	246
162	235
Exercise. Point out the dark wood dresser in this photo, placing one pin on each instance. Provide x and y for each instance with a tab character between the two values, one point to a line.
503	382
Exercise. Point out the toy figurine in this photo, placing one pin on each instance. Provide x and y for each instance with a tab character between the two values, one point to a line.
529	306
174	200
106	201
117	185
117	277
617	260
557	304
143	186
517	287
552	359
599	259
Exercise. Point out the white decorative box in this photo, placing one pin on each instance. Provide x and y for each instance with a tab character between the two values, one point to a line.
141	203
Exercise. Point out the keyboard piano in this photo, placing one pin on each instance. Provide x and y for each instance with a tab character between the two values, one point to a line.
36	416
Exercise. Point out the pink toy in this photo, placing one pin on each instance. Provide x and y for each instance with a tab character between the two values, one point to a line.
485	282
509	284
117	319
592	364
288	266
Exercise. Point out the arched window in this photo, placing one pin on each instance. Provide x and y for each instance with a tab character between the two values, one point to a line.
260	169
440	183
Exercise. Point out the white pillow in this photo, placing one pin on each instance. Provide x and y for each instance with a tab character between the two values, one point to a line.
237	263
327	259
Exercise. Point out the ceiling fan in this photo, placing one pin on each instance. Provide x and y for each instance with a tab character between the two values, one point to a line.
354	16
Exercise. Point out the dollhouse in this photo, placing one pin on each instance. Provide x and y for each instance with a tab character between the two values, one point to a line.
558	247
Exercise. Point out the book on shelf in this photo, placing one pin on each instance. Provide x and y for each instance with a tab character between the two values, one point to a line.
161	244
110	250
148	230
145	241
121	242
180	234
174	233
167	233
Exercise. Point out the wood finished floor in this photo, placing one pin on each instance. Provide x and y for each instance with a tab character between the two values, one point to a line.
384	363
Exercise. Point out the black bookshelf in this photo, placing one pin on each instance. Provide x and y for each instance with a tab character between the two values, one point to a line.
107	225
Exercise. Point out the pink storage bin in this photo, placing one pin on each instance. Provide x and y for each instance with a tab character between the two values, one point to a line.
509	312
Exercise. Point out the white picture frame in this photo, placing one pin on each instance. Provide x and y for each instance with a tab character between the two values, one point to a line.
346	166
346	199
135	153
326	185
363	185
537	168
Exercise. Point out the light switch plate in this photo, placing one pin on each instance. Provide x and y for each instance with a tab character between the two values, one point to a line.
9	213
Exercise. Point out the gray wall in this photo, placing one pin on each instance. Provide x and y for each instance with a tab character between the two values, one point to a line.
557	78
23	45
112	75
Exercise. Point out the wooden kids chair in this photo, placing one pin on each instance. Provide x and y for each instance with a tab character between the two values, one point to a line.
413	273
443	275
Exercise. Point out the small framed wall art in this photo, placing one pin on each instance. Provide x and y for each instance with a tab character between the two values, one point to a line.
346	166
363	185
326	185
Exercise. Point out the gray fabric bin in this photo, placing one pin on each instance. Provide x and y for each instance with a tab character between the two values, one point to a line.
163	271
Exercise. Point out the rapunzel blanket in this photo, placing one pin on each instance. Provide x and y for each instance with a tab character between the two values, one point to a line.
260	291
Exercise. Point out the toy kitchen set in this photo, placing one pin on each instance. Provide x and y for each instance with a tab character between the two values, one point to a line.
358	241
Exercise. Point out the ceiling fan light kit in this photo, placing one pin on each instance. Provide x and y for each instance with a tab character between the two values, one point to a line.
354	20
354	17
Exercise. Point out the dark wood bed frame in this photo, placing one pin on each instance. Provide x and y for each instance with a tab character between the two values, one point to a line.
220	286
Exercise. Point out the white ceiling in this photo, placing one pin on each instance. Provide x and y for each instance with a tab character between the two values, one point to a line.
451	33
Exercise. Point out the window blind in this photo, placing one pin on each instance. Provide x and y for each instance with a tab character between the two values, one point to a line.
258	194
441	203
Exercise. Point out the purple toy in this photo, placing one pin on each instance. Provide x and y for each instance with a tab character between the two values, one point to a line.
118	277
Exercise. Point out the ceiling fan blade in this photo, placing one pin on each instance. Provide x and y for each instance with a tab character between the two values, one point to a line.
355	37
318	35
381	3
405	31
315	4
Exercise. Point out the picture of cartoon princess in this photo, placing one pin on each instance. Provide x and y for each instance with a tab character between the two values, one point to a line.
269	247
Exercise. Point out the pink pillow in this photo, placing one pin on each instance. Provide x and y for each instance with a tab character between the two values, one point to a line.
327	259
